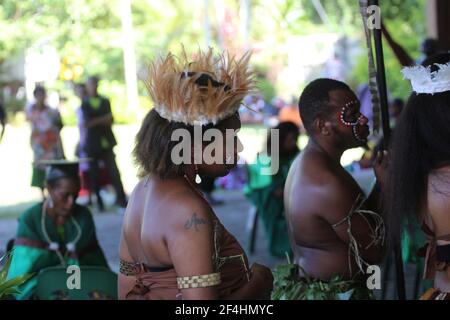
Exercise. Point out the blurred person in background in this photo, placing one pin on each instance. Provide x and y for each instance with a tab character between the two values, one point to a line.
46	141
86	185
396	109
2	120
428	48
266	193
290	113
100	141
81	93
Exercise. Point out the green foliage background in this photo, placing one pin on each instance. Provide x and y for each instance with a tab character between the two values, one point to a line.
405	20
88	33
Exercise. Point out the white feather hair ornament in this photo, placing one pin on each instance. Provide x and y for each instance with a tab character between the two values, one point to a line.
423	80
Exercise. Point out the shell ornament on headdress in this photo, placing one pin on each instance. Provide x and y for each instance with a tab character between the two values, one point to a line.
200	91
423	80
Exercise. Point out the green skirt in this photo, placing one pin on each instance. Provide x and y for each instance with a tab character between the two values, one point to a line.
288	285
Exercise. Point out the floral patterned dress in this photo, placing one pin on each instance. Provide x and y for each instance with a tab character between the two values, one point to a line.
46	143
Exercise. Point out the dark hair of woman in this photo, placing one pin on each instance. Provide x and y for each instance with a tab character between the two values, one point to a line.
38	89
52	184
285	129
56	172
421	143
153	149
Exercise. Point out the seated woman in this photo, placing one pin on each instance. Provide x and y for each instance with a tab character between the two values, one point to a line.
420	168
56	232
173	245
267	193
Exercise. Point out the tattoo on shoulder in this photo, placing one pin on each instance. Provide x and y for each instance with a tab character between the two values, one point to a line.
194	222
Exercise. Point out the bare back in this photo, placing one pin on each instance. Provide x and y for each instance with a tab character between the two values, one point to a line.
148	221
154	222
319	194
168	226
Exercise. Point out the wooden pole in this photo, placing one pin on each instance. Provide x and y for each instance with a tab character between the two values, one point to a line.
382	89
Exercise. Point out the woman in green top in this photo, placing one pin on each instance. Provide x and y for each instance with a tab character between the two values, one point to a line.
56	232
266	192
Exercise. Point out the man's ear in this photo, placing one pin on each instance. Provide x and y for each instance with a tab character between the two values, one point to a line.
322	127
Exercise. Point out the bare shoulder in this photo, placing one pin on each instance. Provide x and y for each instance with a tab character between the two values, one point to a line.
132	220
189	233
332	196
134	202
137	192
318	190
187	212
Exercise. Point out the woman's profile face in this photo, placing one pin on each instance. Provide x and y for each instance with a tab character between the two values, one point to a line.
226	153
290	142
63	195
40	96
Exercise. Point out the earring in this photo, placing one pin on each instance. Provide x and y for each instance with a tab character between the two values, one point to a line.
50	202
197	176
229	158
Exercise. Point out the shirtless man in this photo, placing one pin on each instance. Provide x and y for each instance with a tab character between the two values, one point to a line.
320	193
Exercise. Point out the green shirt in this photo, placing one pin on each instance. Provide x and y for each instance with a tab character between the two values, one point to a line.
95	104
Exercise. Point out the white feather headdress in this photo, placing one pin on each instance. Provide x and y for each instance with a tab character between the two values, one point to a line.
423	80
172	83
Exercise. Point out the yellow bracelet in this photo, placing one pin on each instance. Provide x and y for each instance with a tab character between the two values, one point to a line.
203	281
